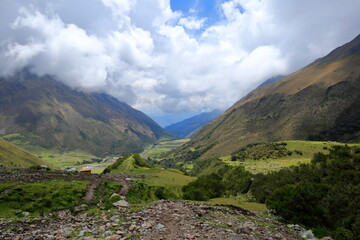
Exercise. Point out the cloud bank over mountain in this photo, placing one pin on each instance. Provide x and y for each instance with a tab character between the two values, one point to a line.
165	61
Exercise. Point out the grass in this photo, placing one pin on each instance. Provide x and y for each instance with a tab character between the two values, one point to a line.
127	165
65	159
13	156
54	158
7	185
155	151
163	178
306	148
43	197
170	179
250	206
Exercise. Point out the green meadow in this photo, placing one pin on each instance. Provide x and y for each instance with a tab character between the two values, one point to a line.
302	152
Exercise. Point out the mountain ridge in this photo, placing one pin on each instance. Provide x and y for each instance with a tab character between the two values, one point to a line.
68	119
190	126
314	102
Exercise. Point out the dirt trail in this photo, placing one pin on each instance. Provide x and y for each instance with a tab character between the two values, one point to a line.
30	176
90	193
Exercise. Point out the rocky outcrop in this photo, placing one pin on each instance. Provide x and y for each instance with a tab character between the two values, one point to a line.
162	220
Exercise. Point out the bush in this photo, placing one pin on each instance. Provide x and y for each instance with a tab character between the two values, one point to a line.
300	203
204	188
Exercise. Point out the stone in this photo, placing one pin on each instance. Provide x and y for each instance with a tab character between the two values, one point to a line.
132	227
146	225
113	237
159	226
121	204
66	233
25	214
114	195
108	233
82	232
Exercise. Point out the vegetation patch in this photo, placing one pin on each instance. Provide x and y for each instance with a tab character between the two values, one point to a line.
43	197
157	151
126	164
143	193
321	195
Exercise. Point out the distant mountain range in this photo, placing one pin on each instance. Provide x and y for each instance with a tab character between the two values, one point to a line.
42	111
190	126
319	102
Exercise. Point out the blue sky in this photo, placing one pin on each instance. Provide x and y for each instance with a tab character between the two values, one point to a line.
209	9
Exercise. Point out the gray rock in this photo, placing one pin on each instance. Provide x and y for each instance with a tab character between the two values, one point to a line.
308	235
82	232
114	195
159	226
66	233
121	204
146	225
25	214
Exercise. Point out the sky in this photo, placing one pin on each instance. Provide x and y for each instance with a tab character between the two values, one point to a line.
171	59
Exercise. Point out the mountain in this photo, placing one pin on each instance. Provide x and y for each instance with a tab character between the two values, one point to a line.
45	112
319	102
271	80
12	156
190	126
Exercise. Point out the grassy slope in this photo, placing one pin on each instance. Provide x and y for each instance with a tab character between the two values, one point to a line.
53	157
155	151
43	197
169	178
13	156
307	148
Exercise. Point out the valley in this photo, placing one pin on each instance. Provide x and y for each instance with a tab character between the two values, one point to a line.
79	161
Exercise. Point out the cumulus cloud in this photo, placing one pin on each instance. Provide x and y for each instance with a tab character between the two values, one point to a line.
192	23
147	55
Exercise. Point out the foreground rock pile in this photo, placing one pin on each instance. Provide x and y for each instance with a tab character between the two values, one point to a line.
161	220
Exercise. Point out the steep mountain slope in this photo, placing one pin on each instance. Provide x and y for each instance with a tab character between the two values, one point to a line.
271	80
319	102
52	115
188	127
12	156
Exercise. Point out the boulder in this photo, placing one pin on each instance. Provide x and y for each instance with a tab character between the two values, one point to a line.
121	204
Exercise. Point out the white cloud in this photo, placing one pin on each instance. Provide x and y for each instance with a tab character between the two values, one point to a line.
141	52
192	23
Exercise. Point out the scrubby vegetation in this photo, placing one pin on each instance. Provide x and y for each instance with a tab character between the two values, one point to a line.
323	195
262	151
143	193
43	197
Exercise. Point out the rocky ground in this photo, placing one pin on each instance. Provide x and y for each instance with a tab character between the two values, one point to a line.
160	220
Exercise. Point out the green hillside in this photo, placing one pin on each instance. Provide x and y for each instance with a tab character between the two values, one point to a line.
12	156
318	102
